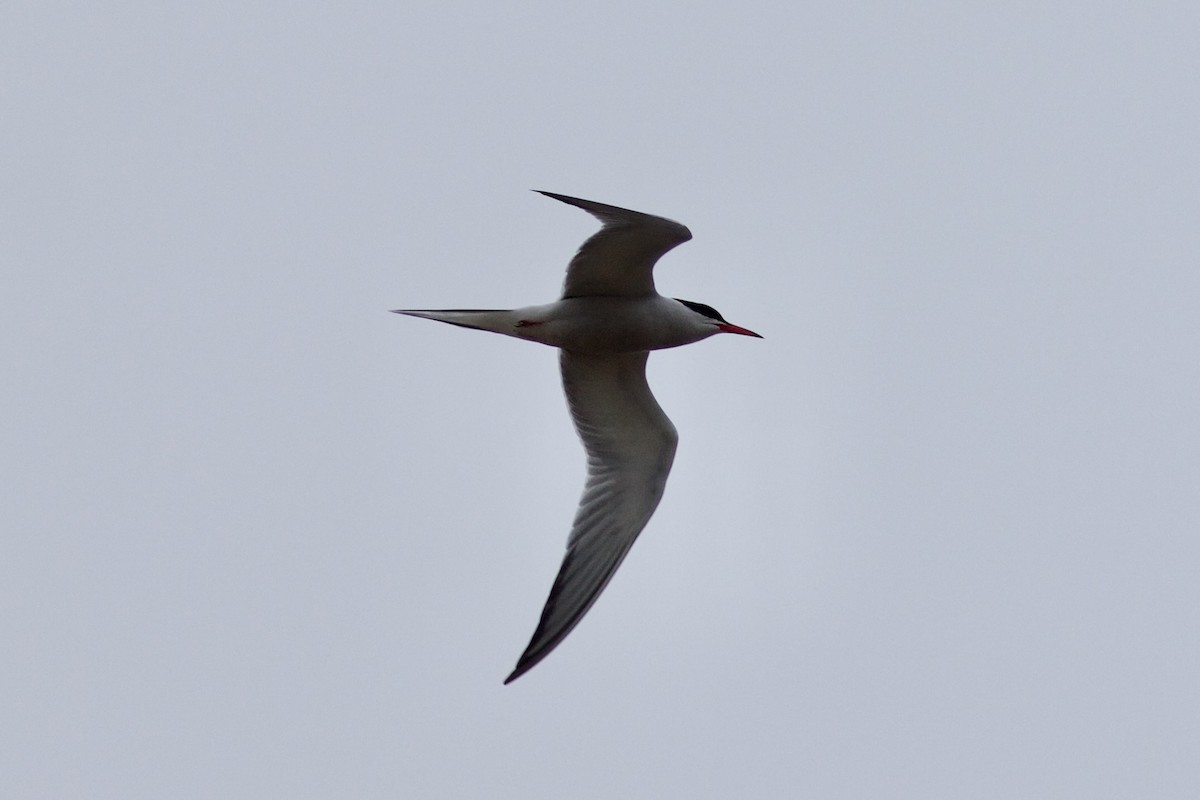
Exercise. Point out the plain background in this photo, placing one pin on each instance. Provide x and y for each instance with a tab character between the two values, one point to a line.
935	536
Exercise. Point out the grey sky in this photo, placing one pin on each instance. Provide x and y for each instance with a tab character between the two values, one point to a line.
936	536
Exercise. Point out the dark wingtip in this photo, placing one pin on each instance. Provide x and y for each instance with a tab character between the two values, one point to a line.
527	661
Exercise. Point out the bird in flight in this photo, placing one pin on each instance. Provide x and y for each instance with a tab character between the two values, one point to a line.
608	320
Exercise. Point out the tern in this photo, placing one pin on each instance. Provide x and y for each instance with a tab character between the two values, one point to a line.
608	320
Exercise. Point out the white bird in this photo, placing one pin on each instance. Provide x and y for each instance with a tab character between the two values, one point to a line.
608	319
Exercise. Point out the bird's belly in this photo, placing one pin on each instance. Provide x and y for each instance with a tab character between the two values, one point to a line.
599	325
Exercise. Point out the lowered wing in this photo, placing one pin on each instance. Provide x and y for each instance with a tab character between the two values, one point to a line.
630	446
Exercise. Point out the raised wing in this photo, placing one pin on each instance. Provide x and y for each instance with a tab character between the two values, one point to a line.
618	260
630	446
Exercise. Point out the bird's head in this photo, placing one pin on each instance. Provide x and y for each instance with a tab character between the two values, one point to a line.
710	316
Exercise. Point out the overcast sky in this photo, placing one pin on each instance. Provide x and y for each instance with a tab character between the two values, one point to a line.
935	536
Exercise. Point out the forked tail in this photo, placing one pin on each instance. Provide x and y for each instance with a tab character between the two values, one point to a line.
495	320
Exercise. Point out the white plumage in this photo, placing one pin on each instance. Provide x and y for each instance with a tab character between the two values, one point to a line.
609	317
